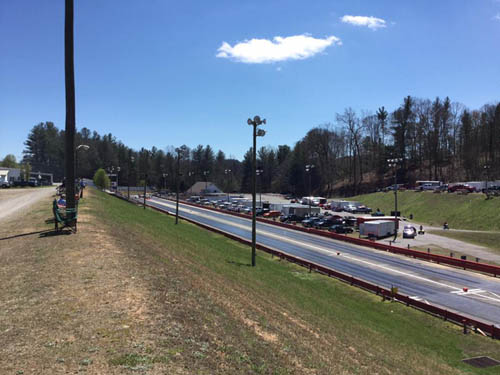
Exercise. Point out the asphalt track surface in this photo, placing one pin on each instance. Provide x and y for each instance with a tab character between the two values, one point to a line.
435	284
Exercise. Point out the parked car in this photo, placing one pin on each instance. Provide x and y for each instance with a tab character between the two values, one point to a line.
350	208
454	188
289	218
325	223
339	228
378	213
5	184
309	222
409	231
363	209
271	214
350	221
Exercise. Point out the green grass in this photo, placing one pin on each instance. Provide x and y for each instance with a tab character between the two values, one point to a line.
471	211
490	240
404	339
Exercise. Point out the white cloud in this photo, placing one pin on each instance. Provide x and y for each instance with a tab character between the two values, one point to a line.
497	17
260	51
370	22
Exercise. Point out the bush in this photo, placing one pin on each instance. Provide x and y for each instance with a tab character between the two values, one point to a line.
101	179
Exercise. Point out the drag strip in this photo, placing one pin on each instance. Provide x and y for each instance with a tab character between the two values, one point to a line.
439	285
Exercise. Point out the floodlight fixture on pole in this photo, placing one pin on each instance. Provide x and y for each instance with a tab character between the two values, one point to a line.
394	163
85	147
257	121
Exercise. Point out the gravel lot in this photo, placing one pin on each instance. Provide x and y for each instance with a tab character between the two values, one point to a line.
18	201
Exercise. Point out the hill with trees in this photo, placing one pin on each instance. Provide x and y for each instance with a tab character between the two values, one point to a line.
437	140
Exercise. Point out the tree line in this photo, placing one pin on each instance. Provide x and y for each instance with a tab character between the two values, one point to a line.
435	140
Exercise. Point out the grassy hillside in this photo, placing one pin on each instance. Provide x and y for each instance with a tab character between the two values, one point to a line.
471	211
280	319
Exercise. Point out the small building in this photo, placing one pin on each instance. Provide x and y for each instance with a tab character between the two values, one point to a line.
10	174
4	176
204	188
13	175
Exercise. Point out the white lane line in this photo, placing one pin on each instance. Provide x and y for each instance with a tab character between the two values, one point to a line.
457	290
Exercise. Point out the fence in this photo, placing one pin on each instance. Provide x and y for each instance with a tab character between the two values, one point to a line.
439	259
465	321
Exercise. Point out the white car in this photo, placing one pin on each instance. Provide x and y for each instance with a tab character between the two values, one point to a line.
409	231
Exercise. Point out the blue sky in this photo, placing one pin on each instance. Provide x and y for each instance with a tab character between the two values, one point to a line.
148	71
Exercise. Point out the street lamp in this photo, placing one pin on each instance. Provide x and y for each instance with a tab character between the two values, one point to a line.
256	133
393	163
117	177
486	168
228	172
165	175
177	177
190	174
130	163
111	171
79	147
206	173
309	168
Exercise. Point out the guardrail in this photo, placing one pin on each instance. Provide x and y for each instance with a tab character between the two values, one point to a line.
439	259
454	317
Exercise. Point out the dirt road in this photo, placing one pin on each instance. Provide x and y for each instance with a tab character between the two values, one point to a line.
18	201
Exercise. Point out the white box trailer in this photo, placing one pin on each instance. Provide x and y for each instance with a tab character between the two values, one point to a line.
299	209
377	228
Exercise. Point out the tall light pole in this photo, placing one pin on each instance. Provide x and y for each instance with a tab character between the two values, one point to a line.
79	147
177	177
111	170
117	178
486	168
190	183
309	168
206	173
259	172
165	175
256	133
393	163
145	189
228	172
131	162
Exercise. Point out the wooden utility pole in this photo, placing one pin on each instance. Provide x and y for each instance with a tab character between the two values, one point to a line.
70	106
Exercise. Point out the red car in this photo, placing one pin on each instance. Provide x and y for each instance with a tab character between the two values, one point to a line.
454	188
272	214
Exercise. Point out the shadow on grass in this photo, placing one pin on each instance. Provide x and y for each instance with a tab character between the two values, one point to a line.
41	232
239	264
53	233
